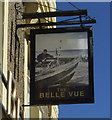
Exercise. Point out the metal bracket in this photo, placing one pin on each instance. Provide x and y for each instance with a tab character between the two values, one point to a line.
79	13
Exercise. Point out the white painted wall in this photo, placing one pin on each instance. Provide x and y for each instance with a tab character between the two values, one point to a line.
1	32
1	14
5	46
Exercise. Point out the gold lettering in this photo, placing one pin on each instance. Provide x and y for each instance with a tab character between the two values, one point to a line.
52	95
41	95
70	93
64	89
61	89
47	95
57	95
76	93
81	93
58	89
62	94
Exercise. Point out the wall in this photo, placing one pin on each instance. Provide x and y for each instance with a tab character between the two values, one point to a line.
4	47
1	28
16	49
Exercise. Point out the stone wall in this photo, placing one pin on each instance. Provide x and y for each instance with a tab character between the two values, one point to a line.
16	50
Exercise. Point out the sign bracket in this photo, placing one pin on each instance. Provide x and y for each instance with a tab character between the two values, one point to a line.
79	13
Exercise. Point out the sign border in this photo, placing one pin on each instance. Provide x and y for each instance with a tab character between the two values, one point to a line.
33	32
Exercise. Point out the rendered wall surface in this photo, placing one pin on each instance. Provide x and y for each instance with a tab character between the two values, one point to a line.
16	47
16	51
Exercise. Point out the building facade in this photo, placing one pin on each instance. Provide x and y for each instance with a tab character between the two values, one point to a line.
15	60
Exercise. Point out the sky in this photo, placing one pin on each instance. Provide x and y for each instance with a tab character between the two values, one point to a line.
67	41
101	53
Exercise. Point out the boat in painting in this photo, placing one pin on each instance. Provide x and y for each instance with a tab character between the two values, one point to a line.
54	73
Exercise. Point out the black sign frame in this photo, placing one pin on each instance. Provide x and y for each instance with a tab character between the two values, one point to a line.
90	88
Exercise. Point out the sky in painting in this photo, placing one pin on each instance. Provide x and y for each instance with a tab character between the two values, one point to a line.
65	41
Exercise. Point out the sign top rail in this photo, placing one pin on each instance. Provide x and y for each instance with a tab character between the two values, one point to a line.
54	14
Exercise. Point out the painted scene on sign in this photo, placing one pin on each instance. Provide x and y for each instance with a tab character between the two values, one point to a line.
61	59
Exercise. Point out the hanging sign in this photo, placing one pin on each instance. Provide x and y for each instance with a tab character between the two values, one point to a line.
61	66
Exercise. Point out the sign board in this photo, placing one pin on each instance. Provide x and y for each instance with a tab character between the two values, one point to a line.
62	66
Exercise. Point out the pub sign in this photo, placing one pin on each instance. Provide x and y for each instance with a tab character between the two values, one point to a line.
61	66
